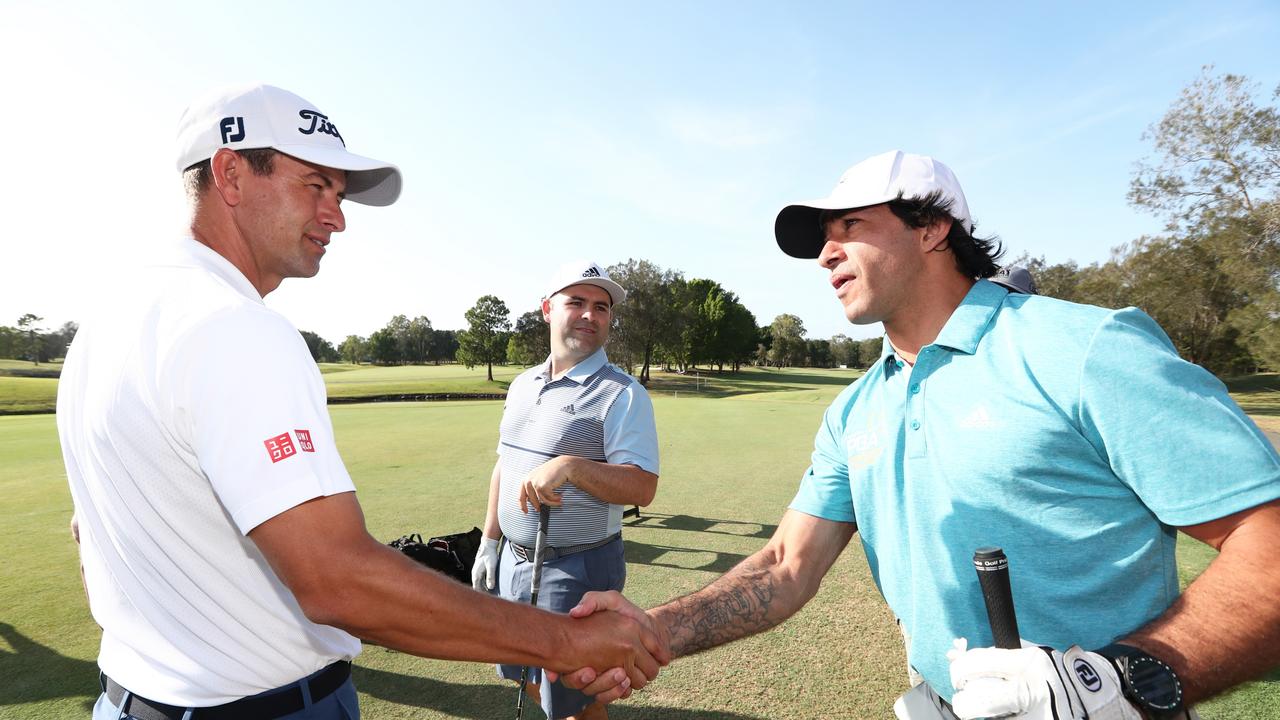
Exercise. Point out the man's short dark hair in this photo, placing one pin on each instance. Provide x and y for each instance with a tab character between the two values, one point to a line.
975	257
196	179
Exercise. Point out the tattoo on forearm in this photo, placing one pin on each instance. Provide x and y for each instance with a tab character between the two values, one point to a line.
735	606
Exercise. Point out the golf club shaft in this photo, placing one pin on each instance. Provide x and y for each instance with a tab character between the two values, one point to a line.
539	552
993	575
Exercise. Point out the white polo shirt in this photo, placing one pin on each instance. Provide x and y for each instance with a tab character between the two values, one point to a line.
189	413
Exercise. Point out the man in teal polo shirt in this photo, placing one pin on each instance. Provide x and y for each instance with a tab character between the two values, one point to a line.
1072	436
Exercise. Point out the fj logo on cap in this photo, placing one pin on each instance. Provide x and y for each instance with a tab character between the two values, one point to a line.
232	129
319	123
591	272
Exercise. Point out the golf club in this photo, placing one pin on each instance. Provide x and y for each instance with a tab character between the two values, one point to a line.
539	551
993	576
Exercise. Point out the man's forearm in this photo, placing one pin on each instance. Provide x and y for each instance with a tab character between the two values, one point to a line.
1225	629
399	604
741	603
342	576
617	484
491	527
761	591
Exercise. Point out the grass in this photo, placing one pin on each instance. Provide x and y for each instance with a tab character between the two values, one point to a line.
1257	394
10	366
27	395
362	381
424	467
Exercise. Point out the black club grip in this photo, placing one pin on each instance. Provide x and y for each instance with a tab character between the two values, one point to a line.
993	576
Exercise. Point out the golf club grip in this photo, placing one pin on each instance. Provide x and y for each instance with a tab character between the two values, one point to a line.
539	551
993	575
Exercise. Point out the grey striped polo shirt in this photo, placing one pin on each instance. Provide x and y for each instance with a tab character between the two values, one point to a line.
595	411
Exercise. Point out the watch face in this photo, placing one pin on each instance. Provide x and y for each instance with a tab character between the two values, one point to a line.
1153	683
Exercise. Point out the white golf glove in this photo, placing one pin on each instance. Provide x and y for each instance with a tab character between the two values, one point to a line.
484	573
1035	682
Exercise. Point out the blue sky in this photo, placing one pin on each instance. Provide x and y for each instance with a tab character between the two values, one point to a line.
533	133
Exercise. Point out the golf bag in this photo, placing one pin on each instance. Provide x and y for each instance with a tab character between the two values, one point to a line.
452	555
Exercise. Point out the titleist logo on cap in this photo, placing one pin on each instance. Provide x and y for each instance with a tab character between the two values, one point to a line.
319	123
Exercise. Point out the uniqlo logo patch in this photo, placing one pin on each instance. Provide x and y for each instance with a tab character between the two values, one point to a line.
280	447
304	440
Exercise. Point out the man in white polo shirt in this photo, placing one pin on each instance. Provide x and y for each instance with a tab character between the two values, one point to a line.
224	552
577	434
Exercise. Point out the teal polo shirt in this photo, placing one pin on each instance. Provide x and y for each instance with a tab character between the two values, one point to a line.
1070	435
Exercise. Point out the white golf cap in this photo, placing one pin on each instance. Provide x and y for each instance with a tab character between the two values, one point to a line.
585	272
262	116
873	181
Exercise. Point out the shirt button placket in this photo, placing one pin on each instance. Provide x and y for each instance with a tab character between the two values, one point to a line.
915	404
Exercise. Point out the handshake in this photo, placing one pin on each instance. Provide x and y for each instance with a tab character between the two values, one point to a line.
618	681
620	647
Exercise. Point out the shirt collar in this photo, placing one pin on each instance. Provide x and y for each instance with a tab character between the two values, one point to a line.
580	372
967	324
190	252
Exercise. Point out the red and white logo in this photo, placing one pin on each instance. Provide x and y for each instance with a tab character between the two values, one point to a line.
304	440
281	447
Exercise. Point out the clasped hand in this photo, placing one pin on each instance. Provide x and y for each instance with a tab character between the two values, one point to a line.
540	485
618	683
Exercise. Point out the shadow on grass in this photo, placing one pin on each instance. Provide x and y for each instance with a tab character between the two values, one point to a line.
482	702
698	524
681	558
34	673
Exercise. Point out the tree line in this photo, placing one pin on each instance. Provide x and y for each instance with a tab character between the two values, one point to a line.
28	340
668	321
1211	278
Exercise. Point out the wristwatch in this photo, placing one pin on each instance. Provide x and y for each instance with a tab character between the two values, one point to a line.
1148	683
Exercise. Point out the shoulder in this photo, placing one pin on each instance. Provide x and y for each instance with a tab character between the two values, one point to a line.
228	339
1043	314
1053	328
622	383
616	374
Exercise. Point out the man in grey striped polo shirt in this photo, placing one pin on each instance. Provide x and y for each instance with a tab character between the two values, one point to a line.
577	434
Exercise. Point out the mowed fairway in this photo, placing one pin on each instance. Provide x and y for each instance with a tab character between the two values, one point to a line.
732	453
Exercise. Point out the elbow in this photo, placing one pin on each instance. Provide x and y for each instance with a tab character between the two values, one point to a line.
647	492
333	600
320	605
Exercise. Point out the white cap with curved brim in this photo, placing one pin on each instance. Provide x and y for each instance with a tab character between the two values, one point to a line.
585	272
876	180
263	116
